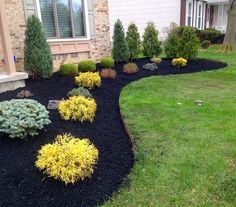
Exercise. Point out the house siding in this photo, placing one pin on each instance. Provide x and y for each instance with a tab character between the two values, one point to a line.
99	45
161	12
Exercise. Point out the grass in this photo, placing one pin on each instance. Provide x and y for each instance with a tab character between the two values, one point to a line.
185	155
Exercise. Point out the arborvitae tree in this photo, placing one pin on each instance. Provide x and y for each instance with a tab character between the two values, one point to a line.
151	44
133	40
189	44
37	53
120	49
172	42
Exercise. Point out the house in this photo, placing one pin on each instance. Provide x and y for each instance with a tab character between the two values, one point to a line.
197	13
75	29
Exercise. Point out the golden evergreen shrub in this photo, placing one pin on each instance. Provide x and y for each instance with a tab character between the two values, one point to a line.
88	80
179	62
78	108
68	159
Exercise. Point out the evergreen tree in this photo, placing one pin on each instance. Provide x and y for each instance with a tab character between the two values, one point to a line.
133	41
37	53
189	44
120	49
151	44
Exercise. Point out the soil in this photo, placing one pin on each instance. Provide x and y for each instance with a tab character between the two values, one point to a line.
23	185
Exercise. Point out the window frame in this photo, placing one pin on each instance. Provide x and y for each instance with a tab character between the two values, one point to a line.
189	13
73	38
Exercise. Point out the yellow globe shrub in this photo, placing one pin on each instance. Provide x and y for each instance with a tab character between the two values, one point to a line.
78	108
68	159
179	62
88	80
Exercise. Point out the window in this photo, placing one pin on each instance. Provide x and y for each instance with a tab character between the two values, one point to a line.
189	14
63	18
199	17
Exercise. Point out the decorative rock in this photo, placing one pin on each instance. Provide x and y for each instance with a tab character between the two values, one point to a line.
53	104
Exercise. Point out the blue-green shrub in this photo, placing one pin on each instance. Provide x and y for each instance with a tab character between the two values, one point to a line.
150	66
22	118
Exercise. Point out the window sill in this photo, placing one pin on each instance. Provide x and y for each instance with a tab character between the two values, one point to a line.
67	46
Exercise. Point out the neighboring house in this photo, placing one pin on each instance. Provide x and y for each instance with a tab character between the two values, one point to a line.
75	29
197	13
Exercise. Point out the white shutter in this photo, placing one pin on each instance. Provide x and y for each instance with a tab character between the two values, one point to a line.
91	18
30	8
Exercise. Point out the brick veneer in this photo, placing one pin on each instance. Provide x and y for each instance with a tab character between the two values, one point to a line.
99	46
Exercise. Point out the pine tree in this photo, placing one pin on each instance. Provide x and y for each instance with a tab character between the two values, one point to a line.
120	49
189	44
133	41
151	44
37	53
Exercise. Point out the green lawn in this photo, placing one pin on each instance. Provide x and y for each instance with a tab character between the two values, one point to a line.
186	155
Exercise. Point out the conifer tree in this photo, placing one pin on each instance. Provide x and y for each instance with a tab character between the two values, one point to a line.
133	41
151	44
120	49
37	53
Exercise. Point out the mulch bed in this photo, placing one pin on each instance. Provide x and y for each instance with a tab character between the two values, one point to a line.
22	184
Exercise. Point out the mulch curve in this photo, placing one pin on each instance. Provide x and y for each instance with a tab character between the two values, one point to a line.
22	184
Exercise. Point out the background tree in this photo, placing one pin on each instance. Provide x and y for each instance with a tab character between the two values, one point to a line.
230	36
120	49
133	41
151	44
37	53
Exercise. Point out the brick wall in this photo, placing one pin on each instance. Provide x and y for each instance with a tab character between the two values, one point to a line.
100	45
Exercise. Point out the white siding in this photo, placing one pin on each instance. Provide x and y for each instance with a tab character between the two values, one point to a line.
161	12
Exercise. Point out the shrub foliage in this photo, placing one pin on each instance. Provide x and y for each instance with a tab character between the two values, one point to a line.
151	44
131	68
22	118
68	69
88	80
78	108
205	44
107	62
37	53
133	41
108	73
80	92
87	66
120	49
179	62
68	159
150	66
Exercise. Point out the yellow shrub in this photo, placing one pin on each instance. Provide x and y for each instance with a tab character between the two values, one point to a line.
78	108
68	159
179	62
88	80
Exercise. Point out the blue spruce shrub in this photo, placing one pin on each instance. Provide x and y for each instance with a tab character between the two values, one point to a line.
22	118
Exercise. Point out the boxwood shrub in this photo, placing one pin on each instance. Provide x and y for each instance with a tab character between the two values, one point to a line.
107	62
87	66
68	69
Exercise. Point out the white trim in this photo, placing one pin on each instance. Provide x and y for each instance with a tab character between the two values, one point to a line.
188	2
87	32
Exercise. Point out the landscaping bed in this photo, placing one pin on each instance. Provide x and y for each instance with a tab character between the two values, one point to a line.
22	184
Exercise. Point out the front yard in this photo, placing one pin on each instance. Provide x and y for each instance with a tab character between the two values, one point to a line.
185	154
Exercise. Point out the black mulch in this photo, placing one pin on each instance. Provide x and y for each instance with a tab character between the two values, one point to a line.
23	185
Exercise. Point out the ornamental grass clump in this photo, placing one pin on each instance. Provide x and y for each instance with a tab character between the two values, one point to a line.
108	73
130	68
68	159
22	118
78	108
88	80
179	62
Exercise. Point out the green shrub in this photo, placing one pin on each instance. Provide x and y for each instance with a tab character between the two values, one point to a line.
120	49
211	35
151	44
68	69
205	44
107	62
188	44
22	118
87	66
150	66
37	53
133	41
171	45
80	92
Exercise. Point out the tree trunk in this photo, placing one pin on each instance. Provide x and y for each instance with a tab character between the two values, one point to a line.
230	36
